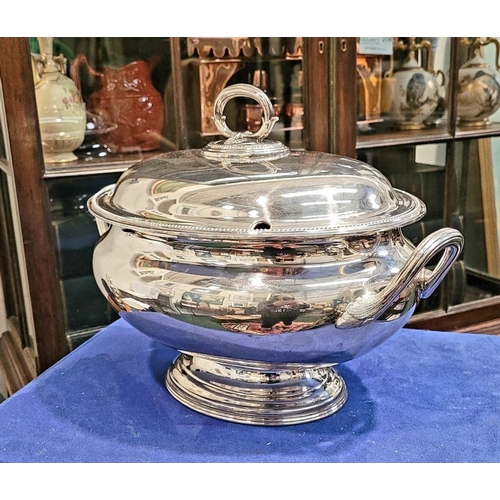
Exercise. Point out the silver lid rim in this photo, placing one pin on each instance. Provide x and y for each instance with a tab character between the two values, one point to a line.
99	206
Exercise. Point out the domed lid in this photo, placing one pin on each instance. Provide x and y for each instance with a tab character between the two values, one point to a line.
250	188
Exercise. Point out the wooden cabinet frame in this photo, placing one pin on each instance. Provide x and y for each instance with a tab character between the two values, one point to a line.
27	162
330	115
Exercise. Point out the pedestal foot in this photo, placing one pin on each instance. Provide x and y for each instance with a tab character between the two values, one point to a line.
256	393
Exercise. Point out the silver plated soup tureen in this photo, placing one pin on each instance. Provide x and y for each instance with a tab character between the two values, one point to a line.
263	267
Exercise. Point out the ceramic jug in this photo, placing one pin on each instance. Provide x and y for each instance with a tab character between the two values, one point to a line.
411	94
61	111
126	98
478	94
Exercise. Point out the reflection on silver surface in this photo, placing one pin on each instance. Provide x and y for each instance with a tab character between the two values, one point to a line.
260	290
310	194
256	277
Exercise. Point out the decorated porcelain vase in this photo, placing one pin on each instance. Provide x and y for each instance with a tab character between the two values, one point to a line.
61	111
414	95
478	94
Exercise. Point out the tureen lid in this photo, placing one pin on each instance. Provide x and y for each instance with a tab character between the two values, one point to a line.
249	187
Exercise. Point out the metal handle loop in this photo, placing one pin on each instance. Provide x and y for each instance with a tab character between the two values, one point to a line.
369	307
496	43
449	240
244	90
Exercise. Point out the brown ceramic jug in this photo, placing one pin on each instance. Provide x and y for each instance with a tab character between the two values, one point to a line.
125	97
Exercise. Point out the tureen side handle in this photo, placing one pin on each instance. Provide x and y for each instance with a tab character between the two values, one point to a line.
371	306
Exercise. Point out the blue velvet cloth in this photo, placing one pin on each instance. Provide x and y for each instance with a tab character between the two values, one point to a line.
422	396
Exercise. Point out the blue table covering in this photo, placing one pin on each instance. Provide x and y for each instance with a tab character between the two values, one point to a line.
422	396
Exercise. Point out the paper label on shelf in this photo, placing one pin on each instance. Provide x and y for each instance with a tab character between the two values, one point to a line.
381	46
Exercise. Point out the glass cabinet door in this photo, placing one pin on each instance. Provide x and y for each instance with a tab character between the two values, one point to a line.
478	166
403	129
149	95
126	99
446	152
121	100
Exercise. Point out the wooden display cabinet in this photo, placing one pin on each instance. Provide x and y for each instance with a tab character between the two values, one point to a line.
314	78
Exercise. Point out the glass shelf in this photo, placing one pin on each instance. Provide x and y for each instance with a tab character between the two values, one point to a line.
111	164
489	131
400	137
